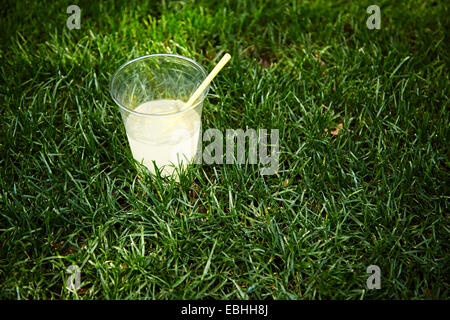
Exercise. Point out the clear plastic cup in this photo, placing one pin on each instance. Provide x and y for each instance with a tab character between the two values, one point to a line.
151	92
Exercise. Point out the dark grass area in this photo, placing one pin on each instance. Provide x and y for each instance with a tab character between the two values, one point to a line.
373	191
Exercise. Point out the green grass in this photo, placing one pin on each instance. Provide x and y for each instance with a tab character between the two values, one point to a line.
377	192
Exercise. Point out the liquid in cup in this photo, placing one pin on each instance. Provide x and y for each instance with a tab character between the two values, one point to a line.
168	141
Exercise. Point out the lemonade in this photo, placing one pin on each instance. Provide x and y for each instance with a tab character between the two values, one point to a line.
167	140
160	97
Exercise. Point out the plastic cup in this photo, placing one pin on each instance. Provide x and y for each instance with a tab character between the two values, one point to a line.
151	92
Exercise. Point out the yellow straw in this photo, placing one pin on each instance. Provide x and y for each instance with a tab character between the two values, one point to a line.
208	80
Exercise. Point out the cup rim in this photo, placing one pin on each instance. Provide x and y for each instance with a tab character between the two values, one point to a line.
149	115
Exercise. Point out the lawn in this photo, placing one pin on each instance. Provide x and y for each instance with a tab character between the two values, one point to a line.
363	177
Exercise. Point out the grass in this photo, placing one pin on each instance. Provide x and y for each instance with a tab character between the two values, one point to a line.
375	191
